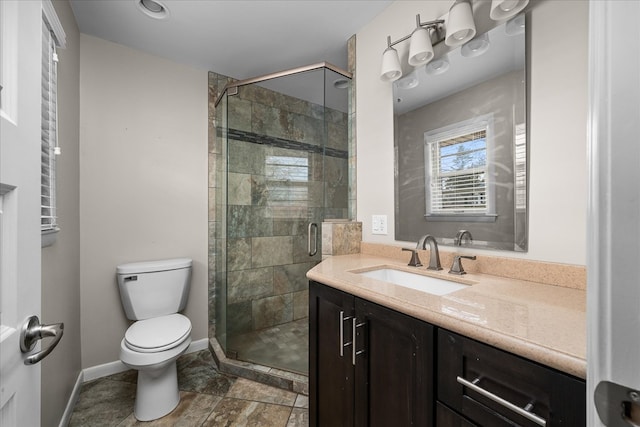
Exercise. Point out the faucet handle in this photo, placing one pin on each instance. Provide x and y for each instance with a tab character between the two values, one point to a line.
415	259
456	266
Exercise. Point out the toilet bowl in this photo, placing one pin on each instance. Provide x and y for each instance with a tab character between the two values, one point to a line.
152	347
152	294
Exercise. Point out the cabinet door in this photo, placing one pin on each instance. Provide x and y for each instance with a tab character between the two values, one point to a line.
394	368
331	376
550	395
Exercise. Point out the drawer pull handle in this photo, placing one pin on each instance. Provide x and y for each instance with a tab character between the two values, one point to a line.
342	343
355	352
515	408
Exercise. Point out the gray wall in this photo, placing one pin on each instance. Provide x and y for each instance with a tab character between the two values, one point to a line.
143	174
61	262
496	96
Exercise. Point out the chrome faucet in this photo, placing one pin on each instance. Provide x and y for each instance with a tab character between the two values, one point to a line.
462	234
434	255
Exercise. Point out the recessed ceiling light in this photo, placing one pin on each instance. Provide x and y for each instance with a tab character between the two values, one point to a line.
341	84
153	9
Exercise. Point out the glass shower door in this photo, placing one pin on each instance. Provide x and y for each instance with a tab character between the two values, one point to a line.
285	173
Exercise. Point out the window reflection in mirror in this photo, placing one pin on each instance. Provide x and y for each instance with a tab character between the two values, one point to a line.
460	144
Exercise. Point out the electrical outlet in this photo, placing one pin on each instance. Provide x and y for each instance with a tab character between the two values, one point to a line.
378	224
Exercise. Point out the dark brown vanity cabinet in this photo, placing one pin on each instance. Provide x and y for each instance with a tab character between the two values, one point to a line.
481	385
369	365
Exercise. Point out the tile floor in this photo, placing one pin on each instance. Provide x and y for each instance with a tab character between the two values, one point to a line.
208	398
283	346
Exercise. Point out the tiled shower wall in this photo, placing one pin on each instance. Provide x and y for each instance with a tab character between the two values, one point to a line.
278	182
276	186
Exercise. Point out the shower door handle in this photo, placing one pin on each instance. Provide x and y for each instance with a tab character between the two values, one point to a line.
313	248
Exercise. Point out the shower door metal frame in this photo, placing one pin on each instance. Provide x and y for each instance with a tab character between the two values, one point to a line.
278	74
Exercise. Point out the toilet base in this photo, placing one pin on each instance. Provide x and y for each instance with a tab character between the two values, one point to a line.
157	392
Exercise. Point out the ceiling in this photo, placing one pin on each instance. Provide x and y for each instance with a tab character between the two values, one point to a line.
240	38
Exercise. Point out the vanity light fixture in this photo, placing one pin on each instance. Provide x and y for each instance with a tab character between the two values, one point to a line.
391	69
460	25
476	46
505	9
420	49
457	28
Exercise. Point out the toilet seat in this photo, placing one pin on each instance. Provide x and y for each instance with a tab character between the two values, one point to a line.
158	333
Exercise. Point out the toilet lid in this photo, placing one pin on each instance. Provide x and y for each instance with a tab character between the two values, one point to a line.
158	333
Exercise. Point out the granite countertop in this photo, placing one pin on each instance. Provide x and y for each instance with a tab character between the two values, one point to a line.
544	323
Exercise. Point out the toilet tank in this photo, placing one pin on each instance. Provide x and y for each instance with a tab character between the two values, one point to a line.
154	288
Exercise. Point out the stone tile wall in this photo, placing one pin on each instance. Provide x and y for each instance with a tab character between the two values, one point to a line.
341	237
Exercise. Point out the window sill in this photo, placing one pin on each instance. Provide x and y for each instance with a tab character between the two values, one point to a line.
461	217
49	237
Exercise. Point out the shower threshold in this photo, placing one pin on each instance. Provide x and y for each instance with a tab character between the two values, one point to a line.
270	350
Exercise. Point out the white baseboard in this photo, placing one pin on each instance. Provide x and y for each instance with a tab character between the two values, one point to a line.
103	370
73	399
199	345
117	366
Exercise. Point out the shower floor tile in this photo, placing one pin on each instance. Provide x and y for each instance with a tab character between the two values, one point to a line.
283	347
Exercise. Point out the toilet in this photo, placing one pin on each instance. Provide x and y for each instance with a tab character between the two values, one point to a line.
153	293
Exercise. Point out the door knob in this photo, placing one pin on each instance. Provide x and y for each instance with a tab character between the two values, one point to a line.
32	332
617	405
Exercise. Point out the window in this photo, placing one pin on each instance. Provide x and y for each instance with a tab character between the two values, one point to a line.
288	182
457	170
52	37
521	167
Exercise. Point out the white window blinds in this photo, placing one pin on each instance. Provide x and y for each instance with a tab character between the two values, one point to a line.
457	171
53	37
520	151
49	134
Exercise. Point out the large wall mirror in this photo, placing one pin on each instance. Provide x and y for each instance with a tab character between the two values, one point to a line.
461	144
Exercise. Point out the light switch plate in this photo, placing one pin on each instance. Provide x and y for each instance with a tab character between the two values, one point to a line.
378	224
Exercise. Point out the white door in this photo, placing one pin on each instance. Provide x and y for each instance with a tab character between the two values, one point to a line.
20	64
613	260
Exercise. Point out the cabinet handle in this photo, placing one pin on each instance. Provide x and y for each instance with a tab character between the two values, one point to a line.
342	343
515	408
313	248
354	351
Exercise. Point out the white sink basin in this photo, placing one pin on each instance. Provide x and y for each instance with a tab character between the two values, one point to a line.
432	285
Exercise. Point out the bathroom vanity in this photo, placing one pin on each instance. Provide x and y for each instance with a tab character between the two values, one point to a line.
500	352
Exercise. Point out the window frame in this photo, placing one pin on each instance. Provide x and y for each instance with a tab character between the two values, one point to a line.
438	136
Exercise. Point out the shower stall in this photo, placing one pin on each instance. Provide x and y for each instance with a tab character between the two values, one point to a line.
282	154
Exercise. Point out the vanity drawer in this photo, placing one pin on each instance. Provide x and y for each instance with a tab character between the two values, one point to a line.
480	382
445	417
